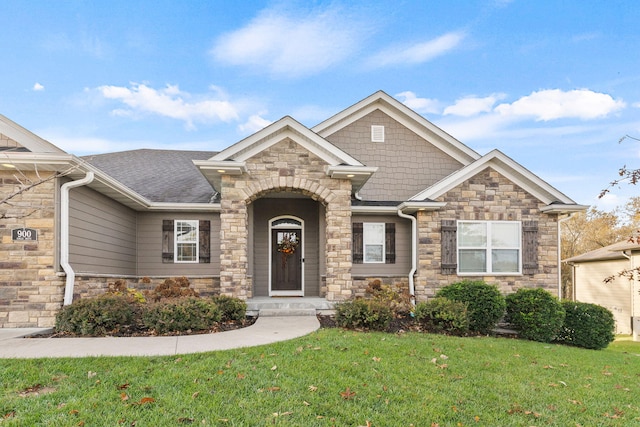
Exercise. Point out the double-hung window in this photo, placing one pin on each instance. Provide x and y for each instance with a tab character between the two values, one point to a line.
489	247
373	238
186	241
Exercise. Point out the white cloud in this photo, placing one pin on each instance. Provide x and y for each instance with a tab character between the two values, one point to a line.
471	106
417	53
555	104
254	124
170	102
37	87
419	105
292	44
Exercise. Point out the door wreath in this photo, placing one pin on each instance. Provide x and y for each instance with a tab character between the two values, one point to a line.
287	246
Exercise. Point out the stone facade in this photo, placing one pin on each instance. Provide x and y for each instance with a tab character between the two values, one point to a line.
92	286
30	290
487	196
285	167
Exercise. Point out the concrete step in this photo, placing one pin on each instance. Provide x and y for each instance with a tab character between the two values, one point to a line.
278	312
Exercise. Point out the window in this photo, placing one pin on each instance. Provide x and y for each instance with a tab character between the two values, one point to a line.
489	247
374	242
186	241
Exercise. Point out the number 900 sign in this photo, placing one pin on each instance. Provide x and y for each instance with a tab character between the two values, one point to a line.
24	234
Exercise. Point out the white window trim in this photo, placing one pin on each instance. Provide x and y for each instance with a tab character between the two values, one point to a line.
366	225
176	242
489	249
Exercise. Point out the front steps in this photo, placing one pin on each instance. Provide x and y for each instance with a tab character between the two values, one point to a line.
288	306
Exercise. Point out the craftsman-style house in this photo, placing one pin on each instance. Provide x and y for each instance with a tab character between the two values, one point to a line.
374	192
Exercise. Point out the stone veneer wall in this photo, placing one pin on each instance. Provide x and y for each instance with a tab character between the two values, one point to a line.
285	167
87	286
360	284
30	290
487	196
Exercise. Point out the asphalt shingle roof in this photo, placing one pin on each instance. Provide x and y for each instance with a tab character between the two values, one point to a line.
159	175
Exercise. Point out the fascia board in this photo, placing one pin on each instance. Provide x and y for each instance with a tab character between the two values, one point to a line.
286	127
26	138
558	208
374	209
30	160
411	207
505	166
183	207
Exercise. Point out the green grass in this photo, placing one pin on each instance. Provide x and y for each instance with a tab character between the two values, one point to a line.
334	377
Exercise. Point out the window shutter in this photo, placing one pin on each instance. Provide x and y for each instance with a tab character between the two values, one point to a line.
357	253
449	262
204	240
530	247
390	243
167	241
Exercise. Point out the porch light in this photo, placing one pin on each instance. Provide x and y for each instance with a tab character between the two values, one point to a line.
221	171
350	175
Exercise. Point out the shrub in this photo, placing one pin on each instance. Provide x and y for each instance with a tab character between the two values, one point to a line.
185	314
397	299
103	315
173	288
535	313
587	325
230	308
363	313
485	303
443	315
119	287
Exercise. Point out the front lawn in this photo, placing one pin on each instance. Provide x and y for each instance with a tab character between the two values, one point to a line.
334	377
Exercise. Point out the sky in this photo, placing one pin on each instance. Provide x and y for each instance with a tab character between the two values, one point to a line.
555	85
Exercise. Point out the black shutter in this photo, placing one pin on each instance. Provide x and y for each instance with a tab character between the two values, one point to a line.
390	243
530	247
204	240
167	241
449	262
357	252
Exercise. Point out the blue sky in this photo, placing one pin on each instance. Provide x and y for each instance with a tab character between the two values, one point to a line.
552	84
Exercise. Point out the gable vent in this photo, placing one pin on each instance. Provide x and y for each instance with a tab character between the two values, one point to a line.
377	133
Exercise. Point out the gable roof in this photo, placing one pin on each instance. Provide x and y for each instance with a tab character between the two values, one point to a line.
27	139
232	159
402	114
611	252
512	170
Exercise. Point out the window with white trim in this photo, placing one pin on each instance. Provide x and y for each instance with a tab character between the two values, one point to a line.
373	239
493	247
186	241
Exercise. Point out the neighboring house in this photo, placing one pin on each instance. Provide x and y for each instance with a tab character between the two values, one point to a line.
622	295
374	192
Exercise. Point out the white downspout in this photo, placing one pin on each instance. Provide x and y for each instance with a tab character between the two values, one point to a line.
64	234
560	221
414	251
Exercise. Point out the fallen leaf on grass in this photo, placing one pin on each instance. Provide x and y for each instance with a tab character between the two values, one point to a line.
313	388
347	394
274	367
91	374
376	359
9	415
185	420
145	400
123	386
123	397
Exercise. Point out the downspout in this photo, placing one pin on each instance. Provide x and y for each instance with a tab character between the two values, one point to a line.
64	234
560	221
414	250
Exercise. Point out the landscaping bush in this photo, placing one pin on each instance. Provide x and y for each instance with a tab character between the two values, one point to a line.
184	314
443	315
103	315
363	313
173	288
231	309
485	303
535	313
587	325
397	299
119	287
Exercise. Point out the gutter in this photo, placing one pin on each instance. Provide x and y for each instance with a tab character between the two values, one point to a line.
64	234
414	247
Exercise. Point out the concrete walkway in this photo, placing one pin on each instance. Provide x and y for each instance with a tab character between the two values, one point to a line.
265	330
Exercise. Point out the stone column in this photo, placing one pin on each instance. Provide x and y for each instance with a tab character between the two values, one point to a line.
338	245
233	243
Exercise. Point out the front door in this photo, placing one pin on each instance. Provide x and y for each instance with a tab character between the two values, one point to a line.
286	261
